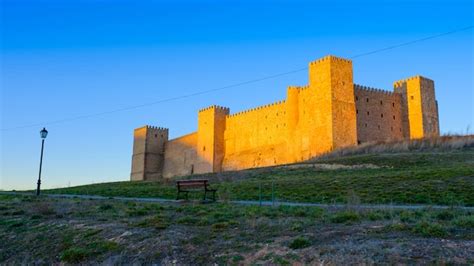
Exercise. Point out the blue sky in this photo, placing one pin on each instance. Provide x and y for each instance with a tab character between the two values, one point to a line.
62	59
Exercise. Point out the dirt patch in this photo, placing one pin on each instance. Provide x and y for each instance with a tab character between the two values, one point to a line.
326	166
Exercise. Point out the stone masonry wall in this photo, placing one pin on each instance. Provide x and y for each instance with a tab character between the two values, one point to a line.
379	116
253	138
180	156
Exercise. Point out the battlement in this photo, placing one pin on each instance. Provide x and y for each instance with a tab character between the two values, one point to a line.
373	90
215	107
330	58
258	108
399	83
155	128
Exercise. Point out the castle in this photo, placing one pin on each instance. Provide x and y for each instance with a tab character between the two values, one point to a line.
330	112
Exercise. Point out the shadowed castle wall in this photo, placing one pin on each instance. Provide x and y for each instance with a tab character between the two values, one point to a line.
180	156
329	113
379	116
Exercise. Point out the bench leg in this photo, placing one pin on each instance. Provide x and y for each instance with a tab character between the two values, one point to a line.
205	194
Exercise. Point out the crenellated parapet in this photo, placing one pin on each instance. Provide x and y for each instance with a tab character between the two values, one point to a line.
259	108
155	128
215	107
372	90
330	58
399	83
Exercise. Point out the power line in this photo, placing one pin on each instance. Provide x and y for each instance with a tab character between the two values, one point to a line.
228	86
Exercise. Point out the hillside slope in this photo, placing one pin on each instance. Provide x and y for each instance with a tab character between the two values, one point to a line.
420	173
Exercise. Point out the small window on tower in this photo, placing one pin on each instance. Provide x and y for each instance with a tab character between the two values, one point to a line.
367	99
381	102
393	104
381	115
368	113
393	117
412	97
357	98
357	111
203	148
156	135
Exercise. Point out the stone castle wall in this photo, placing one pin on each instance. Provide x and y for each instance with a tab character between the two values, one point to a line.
379	116
329	113
254	137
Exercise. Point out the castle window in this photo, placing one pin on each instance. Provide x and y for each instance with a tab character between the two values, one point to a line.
379	126
357	98
412	97
381	115
357	111
203	148
381	102
367	100
391	128
393	117
358	142
368	113
156	135
393	104
366	125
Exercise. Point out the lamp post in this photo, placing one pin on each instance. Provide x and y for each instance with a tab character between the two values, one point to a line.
43	134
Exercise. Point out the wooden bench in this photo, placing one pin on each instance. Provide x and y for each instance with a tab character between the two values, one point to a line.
187	186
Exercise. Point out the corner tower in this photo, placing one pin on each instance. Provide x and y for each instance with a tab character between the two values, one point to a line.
419	107
210	139
148	153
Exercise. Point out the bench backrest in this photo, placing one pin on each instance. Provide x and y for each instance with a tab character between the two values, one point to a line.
196	183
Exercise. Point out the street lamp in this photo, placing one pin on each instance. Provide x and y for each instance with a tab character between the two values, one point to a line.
43	134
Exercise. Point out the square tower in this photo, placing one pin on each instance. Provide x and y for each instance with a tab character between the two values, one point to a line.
148	153
332	105
210	139
419	107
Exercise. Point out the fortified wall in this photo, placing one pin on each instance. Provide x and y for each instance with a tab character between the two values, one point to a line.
330	112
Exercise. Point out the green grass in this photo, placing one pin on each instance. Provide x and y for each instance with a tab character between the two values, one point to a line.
299	242
91	231
442	177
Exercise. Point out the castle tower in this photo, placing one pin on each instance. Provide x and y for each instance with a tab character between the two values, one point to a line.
210	140
332	106
419	107
148	153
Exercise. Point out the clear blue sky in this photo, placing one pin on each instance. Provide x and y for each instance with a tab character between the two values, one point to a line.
62	59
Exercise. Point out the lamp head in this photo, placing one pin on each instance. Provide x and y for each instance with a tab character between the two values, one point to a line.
44	133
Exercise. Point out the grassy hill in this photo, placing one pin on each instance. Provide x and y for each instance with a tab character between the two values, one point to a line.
45	230
434	171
